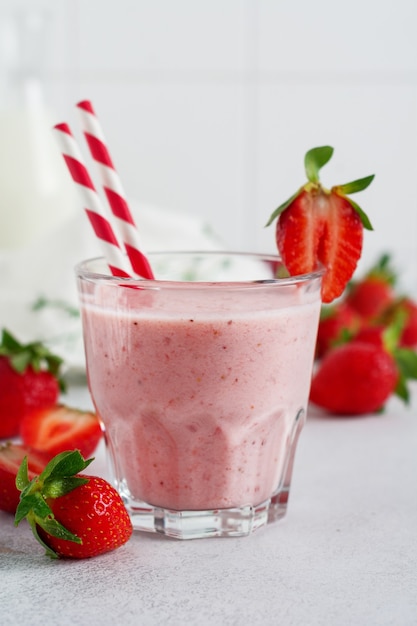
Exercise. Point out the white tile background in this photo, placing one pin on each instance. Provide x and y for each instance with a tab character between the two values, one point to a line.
209	107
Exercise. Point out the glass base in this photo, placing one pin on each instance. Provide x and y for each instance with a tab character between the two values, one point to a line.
198	524
233	522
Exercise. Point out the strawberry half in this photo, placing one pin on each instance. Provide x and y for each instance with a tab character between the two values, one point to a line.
318	226
70	514
61	428
11	457
29	379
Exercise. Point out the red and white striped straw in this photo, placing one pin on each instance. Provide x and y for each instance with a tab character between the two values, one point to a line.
113	189
109	243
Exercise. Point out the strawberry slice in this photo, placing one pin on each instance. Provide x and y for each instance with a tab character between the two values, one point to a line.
60	428
321	226
11	457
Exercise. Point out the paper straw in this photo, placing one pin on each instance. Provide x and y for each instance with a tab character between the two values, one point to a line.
113	189
107	238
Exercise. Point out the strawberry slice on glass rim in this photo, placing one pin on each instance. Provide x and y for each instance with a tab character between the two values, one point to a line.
319	226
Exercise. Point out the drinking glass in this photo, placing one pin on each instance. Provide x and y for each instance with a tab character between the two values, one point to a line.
201	379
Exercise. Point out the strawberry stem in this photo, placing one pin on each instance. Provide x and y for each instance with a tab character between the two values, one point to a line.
384	270
314	161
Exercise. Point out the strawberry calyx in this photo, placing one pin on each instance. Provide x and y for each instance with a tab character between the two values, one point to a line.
406	360
382	270
34	354
59	477
314	160
408	307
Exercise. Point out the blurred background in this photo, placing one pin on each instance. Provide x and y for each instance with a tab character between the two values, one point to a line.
208	108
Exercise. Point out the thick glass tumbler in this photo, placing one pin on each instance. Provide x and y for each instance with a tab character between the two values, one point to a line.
201	379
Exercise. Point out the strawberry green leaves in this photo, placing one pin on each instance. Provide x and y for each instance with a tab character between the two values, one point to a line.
314	160
356	185
384	269
282	207
72	515
406	361
353	187
34	354
57	479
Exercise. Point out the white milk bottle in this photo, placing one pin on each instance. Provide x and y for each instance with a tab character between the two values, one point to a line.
36	193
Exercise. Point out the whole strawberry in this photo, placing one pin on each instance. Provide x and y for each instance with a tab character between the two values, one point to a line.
321	226
373	293
29	379
389	337
360	376
72	515
354	379
338	322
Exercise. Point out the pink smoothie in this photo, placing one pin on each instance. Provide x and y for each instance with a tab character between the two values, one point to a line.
199	391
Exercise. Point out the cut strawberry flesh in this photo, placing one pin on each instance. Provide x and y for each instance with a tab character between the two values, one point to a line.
321	228
61	428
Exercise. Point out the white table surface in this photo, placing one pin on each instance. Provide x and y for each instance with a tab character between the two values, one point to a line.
344	555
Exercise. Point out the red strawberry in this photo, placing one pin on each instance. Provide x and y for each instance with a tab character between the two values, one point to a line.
409	334
388	337
371	334
354	378
60	428
359	377
406	309
338	323
371	295
29	379
72	515
320	226
11	456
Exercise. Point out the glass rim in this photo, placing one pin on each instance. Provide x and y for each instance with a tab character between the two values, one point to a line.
83	272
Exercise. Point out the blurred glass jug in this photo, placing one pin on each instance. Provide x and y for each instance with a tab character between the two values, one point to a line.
35	191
